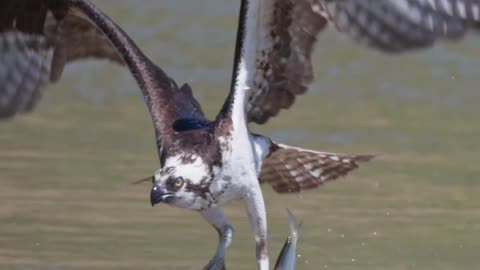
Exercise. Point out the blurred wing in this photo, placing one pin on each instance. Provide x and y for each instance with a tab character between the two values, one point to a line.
291	169
400	25
37	39
283	65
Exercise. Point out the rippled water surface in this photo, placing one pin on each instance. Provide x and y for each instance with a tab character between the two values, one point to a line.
65	171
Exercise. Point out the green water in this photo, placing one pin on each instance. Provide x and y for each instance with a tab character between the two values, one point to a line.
65	171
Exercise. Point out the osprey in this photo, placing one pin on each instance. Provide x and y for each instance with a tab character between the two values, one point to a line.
206	163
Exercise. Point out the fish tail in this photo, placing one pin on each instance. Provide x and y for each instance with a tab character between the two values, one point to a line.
294	225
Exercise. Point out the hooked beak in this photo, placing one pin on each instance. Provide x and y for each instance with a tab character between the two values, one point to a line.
159	194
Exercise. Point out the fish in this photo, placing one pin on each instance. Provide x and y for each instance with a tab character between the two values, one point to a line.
287	259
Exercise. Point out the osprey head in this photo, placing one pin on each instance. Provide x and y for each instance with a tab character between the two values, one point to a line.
182	182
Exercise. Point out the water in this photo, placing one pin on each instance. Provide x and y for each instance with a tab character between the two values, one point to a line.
65	171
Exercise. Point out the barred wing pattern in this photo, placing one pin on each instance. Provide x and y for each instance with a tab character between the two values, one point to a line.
24	72
283	65
284	69
400	25
37	39
292	169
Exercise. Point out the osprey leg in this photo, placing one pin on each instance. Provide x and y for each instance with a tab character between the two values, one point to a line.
217	219
258	221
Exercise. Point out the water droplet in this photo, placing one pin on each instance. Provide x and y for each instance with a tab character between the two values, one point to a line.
374	233
329	230
325	266
307	262
353	259
299	255
363	244
342	235
388	213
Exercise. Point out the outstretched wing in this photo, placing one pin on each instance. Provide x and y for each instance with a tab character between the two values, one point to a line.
37	39
283	65
292	169
400	25
171	108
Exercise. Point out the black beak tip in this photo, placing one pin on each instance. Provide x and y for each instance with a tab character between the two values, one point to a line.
156	195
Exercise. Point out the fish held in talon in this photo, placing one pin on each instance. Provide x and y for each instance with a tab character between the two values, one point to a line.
287	259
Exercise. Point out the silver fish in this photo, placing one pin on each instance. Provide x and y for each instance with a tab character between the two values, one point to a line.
288	256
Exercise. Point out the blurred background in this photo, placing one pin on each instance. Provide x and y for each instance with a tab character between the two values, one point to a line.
67	201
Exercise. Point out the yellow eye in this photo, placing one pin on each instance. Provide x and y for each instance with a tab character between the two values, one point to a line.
178	182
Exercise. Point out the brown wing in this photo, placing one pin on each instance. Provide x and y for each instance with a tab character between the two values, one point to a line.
401	25
291	169
283	66
37	39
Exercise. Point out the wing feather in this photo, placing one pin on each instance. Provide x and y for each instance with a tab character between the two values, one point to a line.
283	66
292	169
37	39
401	25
